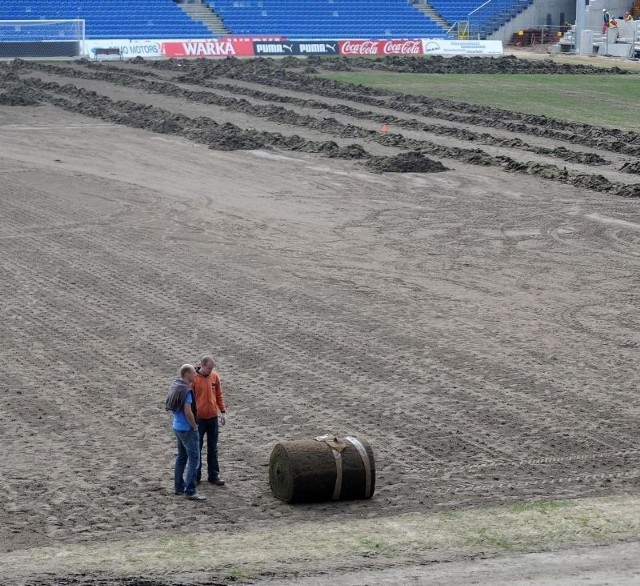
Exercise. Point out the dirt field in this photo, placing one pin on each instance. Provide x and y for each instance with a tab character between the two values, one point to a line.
476	318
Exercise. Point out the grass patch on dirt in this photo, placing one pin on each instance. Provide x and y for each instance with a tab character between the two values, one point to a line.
600	100
309	548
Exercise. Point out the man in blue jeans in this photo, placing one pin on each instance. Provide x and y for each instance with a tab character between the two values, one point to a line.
180	401
211	414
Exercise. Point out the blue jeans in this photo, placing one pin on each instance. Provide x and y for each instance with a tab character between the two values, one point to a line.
210	428
188	457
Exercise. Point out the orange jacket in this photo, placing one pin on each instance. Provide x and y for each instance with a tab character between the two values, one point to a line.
208	391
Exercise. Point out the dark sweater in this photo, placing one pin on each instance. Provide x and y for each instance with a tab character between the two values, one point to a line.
177	395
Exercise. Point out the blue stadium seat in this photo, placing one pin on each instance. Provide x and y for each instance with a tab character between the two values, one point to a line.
326	18
105	19
331	19
482	19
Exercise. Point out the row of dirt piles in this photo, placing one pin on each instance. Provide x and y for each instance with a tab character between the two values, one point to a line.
13	93
437	64
19	82
412	124
282	76
631	168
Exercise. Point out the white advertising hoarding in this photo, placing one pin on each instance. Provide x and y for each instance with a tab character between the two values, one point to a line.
128	48
445	47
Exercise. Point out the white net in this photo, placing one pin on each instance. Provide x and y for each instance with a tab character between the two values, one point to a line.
41	30
41	38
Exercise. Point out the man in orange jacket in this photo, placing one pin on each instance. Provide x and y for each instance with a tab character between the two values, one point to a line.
211	414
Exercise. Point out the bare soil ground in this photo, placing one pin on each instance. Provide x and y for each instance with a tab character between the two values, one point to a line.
462	290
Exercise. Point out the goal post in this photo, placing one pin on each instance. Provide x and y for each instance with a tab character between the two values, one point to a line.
42	38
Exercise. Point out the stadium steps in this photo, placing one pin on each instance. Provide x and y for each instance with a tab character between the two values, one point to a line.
204	14
431	13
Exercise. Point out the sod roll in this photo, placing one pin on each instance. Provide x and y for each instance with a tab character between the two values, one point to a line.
322	469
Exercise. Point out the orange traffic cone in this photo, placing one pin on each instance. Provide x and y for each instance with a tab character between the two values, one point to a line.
385	128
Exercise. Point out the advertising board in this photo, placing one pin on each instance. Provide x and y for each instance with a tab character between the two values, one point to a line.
224	47
283	48
128	49
381	47
446	47
280	47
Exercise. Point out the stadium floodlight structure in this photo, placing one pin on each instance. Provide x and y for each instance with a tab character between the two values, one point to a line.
42	38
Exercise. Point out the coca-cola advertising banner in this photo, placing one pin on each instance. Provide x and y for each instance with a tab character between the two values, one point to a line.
263	49
381	47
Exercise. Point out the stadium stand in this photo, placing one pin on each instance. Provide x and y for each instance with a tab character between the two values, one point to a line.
112	19
486	18
303	19
328	19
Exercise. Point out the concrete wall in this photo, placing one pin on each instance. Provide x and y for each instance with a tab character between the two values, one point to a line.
616	9
536	15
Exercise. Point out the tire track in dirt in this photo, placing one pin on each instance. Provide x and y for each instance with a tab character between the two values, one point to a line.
464	425
287	350
332	340
120	290
46	313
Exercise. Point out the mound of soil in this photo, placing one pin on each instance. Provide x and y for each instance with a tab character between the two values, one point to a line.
631	168
459	64
20	96
411	162
334	151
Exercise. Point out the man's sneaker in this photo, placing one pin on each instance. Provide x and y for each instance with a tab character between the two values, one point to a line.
217	482
196	496
179	491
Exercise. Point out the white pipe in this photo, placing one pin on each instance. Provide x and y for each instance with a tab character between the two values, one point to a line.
581	12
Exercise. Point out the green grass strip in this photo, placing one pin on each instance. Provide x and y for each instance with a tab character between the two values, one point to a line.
281	547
